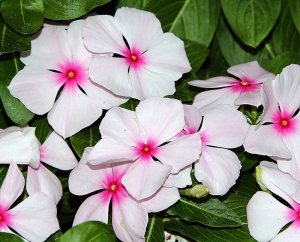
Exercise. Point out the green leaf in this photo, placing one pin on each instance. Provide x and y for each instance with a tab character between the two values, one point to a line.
285	34
196	53
43	129
15	110
246	185
139	4
131	104
279	62
8	237
3	171
89	232
27	15
12	40
4	119
54	237
251	20
235	52
294	6
247	160
211	213
85	138
66	9
155	230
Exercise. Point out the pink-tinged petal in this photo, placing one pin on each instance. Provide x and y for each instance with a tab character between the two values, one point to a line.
217	169
251	70
265	141
79	53
14	147
148	174
207	100
280	183
111	73
29	134
12	187
140	28
129	220
102	35
36	88
269	102
287	88
192	118
93	208
161	200
111	151
73	111
291	234
106	98
120	124
291	166
180	179
167	118
147	84
181	152
167	56
266	216
251	98
56	152
224	126
49	49
43	180
40	226
215	82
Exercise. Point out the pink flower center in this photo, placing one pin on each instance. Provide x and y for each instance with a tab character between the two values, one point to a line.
134	58
113	187
245	85
284	123
146	151
71	75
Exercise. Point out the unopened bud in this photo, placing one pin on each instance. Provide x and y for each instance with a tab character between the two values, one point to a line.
196	191
258	176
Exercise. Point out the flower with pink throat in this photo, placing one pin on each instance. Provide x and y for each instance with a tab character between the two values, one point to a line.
145	64
34	218
266	215
232	91
58	59
144	137
278	134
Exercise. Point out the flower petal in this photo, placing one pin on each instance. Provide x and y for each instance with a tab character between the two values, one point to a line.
215	82
217	169
36	88
43	180
266	216
192	118
180	179
29	133
252	98
73	111
291	234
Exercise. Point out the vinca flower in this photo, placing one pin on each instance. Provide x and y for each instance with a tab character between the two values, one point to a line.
146	61
233	91
278	134
34	218
58	59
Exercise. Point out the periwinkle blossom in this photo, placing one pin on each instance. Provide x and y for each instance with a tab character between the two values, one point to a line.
278	134
221	128
142	136
266	215
34	218
233	91
58	59
145	64
129	218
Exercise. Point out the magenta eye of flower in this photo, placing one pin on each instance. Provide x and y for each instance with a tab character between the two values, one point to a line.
70	74
113	187
133	57
244	83
146	149
284	122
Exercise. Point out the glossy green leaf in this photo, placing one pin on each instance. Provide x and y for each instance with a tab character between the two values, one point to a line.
43	129
196	53
85	138
246	185
66	9
211	213
89	232
8	237
139	4
130	104
247	160
16	111
4	119
235	52
54	237
251	20
27	15
11	40
283	60
3	171
155	230
294	6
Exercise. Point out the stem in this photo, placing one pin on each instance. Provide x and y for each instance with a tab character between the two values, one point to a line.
269	51
254	115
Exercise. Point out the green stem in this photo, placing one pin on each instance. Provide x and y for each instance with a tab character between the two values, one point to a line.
269	51
254	115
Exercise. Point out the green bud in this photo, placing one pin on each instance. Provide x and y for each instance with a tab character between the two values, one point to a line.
196	191
258	176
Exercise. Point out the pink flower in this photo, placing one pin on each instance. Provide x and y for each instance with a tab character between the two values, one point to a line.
143	136
278	135
58	58
221	127
145	64
34	218
266	216
245	90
